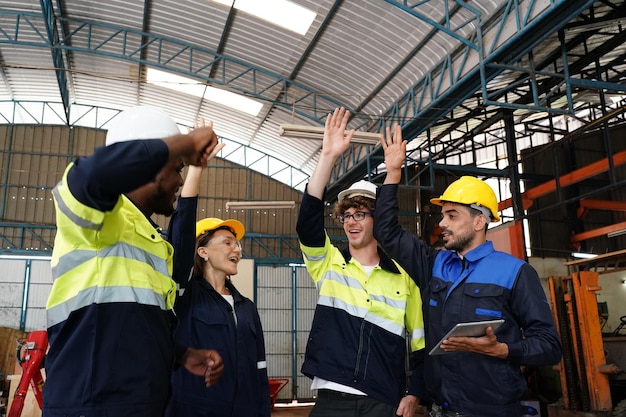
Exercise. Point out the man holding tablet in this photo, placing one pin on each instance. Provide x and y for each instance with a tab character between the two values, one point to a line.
470	329
469	282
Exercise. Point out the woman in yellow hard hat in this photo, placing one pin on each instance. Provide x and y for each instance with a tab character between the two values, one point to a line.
213	314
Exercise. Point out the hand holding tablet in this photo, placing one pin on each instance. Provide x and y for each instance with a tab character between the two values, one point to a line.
471	329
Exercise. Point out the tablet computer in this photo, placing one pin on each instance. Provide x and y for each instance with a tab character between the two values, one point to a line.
471	329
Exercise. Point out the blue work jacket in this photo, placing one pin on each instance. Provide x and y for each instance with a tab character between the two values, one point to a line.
485	284
206	321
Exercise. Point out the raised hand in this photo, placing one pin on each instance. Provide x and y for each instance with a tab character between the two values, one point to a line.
334	144
336	140
203	143
202	123
394	148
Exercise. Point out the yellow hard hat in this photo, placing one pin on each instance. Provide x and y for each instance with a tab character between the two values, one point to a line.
470	191
212	223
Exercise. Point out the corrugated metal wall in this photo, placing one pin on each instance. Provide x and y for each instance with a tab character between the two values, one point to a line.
34	157
11	292
286	299
24	288
40	286
33	161
224	181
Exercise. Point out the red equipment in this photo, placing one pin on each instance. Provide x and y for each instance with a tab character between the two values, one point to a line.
30	354
276	385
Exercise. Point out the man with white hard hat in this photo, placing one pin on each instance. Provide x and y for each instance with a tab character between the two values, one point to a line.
110	312
356	350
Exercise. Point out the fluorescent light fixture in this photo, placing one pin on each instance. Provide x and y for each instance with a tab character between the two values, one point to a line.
26	257
283	13
583	255
317	133
198	89
251	205
616	233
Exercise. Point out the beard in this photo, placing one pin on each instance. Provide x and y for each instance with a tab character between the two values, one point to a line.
162	202
459	243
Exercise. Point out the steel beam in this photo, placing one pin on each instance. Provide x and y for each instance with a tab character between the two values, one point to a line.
565	180
460	75
117	42
57	54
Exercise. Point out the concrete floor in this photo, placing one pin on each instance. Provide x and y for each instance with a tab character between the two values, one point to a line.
288	410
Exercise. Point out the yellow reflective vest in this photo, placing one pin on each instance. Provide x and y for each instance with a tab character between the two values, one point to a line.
102	257
362	323
109	314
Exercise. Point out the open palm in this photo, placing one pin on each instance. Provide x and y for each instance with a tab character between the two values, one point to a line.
394	147
336	141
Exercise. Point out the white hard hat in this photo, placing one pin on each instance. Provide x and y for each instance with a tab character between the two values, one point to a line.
362	188
141	122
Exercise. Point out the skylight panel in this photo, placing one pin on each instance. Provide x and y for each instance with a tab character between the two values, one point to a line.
281	13
193	87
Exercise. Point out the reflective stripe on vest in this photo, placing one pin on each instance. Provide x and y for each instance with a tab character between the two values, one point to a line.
109	257
101	295
388	300
77	257
344	289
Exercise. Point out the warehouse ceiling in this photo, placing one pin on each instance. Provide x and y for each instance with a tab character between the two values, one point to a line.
452	73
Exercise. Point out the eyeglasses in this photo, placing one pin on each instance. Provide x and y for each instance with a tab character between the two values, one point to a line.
357	216
233	243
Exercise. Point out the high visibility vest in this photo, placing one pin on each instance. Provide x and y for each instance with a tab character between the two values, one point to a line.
359	329
106	257
389	299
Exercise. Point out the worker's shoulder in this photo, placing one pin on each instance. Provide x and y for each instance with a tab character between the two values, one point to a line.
500	256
